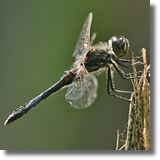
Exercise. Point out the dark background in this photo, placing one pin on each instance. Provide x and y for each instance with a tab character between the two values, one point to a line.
37	39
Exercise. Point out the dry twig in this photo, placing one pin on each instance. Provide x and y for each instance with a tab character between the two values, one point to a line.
138	130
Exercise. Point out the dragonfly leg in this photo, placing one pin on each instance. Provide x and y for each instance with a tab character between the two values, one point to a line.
109	84
126	60
123	60
118	61
121	73
112	85
138	72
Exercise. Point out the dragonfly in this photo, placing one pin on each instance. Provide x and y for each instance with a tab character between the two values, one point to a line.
89	60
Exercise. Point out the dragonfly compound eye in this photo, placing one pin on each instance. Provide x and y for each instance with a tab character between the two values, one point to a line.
120	46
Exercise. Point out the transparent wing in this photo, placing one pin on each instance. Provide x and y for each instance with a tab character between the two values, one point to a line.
84	38
83	90
93	38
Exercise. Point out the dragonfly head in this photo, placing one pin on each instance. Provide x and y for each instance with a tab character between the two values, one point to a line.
119	45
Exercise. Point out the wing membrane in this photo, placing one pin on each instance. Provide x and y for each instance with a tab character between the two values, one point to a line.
83	90
84	38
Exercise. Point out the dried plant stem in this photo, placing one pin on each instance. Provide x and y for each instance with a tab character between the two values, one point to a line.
117	140
146	104
138	130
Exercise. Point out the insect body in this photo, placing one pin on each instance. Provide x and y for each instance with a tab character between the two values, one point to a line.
82	83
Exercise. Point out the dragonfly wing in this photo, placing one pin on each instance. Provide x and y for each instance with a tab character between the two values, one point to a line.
93	38
84	38
83	90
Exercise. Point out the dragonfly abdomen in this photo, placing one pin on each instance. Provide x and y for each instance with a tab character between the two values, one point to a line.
19	112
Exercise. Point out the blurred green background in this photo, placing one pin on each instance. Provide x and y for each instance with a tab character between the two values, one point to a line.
37	39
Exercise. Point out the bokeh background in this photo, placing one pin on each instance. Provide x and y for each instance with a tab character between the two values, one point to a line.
37	39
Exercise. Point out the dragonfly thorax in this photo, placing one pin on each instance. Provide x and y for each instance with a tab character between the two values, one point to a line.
96	59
